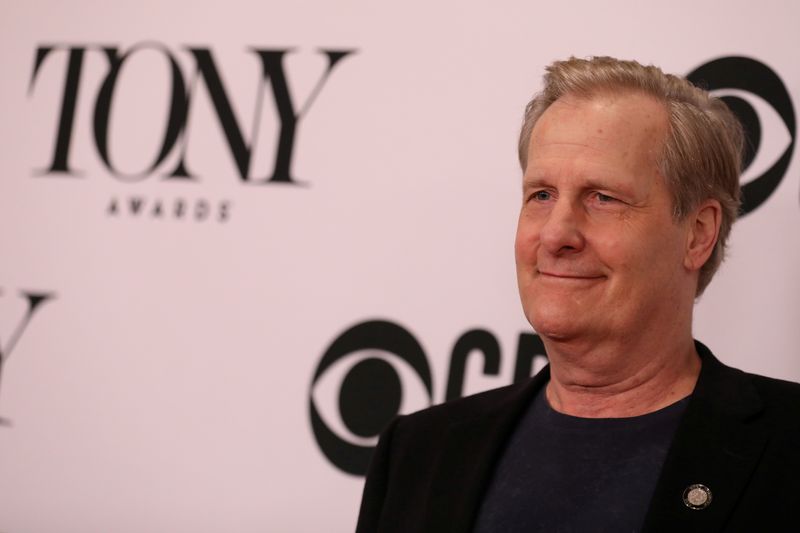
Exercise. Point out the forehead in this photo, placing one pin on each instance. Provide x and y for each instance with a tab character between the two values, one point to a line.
626	128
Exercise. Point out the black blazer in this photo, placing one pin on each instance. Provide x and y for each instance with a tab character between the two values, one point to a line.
739	436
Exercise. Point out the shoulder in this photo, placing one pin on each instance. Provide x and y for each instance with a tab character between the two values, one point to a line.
417	443
731	383
776	400
781	398
778	389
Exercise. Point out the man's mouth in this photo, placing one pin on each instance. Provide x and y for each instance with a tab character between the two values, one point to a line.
569	275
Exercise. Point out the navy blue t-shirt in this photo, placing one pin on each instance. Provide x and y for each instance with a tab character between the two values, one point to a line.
562	473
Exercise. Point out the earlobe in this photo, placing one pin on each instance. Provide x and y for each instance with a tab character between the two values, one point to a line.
703	232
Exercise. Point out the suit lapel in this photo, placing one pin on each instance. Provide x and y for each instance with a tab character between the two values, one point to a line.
718	444
470	453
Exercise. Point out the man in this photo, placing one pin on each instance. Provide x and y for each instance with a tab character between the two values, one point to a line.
630	187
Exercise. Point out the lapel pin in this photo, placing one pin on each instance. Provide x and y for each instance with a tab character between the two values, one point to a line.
697	496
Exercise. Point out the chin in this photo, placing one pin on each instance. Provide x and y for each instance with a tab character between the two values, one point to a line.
557	326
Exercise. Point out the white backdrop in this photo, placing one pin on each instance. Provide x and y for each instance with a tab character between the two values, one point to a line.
165	381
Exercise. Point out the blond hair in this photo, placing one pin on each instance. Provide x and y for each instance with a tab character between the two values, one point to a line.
702	153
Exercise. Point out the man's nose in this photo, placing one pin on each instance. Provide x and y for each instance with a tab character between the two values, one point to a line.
562	232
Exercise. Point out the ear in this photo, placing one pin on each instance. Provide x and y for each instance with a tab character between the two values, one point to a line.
703	231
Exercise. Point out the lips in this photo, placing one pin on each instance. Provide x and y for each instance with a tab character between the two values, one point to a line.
569	275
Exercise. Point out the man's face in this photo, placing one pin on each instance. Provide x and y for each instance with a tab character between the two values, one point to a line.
598	252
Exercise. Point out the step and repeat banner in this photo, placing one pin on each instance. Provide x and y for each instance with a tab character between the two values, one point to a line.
239	237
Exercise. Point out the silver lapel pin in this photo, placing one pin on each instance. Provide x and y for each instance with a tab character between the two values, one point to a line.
697	496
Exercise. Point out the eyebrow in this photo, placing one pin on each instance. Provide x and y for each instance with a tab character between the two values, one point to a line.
534	181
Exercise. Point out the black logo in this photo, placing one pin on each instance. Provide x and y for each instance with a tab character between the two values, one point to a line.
170	162
732	78
381	370
34	301
371	392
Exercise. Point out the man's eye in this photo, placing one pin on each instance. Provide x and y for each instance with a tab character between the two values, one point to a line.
604	198
541	196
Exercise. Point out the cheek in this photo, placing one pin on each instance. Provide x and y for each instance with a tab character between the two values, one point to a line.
647	255
610	244
526	242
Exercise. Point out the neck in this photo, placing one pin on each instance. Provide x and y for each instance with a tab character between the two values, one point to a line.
619	378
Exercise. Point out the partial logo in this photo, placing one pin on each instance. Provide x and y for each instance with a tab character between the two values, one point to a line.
376	370
193	87
34	302
758	97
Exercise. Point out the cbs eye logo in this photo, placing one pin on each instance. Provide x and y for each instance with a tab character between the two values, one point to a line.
378	370
758	97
